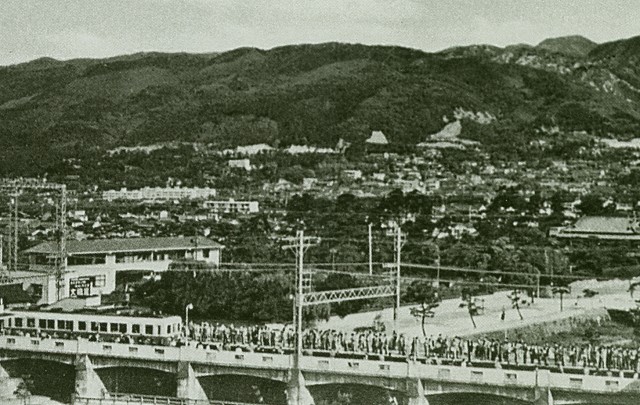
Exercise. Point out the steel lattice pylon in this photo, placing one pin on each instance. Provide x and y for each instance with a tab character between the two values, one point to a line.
326	297
16	187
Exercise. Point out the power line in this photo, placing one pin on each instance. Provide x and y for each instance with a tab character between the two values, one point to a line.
490	272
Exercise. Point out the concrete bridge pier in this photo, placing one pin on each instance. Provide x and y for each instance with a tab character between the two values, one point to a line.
542	393
297	391
88	382
188	385
543	397
8	385
415	393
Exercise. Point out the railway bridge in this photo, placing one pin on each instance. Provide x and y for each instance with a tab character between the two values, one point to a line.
183	372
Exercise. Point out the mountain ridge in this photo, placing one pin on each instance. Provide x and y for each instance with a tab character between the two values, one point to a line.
309	93
572	45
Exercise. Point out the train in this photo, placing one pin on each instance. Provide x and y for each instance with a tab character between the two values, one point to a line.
136	328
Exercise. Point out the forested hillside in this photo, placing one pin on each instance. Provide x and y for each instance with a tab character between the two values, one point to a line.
313	94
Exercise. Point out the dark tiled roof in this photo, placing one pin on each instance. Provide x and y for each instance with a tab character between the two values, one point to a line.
126	245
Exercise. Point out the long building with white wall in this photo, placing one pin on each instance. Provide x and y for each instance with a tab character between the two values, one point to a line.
159	193
92	264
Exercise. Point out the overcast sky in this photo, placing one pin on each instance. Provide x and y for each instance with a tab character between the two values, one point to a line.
65	29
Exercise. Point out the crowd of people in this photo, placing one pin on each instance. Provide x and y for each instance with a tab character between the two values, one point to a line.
375	344
396	346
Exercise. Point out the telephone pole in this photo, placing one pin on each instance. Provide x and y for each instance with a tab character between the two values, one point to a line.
398	248
16	225
438	266
303	285
370	251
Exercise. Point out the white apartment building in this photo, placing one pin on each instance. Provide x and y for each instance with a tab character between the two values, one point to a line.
159	193
232	207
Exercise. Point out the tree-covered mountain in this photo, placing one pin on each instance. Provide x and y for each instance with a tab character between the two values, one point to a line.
313	94
574	45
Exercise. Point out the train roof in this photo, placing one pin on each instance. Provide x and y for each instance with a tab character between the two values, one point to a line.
98	313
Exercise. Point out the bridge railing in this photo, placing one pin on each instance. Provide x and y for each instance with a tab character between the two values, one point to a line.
361	367
135	399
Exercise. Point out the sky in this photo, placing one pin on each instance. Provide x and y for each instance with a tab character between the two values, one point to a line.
67	29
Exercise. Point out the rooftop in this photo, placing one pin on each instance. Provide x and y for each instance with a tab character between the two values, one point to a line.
126	245
601	227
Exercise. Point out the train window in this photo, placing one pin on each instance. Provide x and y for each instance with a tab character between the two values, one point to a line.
82	325
94	326
103	326
18	322
123	328
168	329
60	324
135	328
159	329
51	324
68	325
148	329
114	327
42	323
31	323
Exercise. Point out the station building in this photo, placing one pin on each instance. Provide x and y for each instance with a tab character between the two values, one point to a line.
92	264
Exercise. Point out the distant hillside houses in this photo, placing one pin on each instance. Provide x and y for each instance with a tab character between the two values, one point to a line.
263	148
159	193
249	150
300	149
240	164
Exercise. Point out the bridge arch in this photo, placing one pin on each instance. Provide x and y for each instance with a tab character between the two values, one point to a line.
355	393
243	388
454	398
49	378
138	380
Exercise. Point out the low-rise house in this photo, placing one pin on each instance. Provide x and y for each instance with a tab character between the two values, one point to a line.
240	164
353	174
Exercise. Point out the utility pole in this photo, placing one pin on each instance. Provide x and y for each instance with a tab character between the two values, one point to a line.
370	251
16	224
303	286
438	266
398	249
10	236
61	267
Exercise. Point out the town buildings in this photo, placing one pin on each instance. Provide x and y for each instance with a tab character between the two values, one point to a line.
159	193
232	207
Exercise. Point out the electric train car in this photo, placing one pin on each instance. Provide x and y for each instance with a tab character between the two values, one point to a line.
143	329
